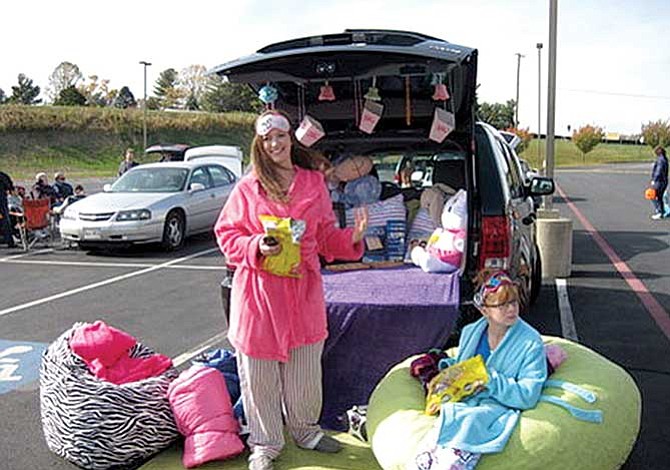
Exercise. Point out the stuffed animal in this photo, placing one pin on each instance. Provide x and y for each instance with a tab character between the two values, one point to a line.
443	252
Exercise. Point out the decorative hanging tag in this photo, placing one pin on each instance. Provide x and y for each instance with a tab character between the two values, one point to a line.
268	95
327	93
441	93
373	93
372	112
444	123
408	102
309	131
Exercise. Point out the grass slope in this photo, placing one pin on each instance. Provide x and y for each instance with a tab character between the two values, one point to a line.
91	141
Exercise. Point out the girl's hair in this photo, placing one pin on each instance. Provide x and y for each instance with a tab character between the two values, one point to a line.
266	170
660	149
490	294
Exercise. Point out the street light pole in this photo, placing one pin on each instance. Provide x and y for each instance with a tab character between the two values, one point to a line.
539	102
144	104
551	95
516	105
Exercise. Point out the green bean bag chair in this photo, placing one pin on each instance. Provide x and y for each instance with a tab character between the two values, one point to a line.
547	437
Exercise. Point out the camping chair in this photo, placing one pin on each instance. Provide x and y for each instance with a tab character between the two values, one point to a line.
36	224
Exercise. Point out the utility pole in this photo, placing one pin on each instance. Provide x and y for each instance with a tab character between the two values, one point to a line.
551	96
516	105
539	102
144	104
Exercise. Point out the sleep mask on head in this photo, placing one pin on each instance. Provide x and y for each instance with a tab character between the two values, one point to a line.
267	122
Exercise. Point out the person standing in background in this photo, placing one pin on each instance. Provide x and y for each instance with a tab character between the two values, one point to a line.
659	181
6	186
128	161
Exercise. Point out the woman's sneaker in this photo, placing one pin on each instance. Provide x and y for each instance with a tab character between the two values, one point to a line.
657	216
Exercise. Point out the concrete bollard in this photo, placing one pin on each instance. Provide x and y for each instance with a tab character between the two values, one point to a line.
554	239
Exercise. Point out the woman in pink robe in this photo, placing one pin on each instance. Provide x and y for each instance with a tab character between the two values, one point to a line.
278	322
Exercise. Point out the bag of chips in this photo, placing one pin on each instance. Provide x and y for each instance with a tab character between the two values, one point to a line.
288	233
456	383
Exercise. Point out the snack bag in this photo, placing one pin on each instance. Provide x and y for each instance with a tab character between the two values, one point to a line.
456	383
288	233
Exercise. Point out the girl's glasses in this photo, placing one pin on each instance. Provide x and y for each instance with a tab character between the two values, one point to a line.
510	303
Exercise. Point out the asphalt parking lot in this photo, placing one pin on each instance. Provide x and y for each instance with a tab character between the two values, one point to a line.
172	303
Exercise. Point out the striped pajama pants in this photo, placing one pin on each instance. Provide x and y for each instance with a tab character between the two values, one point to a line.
272	390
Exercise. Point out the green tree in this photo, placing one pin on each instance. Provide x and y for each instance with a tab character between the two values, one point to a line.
125	99
25	92
500	116
65	75
165	88
221	96
656	133
70	96
586	138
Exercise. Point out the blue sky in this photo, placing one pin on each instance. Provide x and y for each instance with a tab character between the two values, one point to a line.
613	56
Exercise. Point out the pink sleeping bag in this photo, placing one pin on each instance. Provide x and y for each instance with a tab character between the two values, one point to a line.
204	415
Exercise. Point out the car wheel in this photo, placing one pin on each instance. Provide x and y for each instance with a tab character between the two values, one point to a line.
536	278
174	231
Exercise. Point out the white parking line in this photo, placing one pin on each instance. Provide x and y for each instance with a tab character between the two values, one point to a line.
107	265
103	283
567	320
27	253
182	358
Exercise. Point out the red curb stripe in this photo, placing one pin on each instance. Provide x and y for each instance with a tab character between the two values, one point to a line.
654	308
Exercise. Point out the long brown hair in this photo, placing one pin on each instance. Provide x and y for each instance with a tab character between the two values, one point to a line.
267	171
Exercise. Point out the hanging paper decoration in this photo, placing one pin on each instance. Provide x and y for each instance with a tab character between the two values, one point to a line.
441	93
327	93
309	131
372	112
268	95
373	93
408	102
444	123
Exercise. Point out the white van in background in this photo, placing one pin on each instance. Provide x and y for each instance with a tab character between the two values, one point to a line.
230	156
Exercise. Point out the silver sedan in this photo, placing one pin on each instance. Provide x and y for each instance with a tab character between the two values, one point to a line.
160	202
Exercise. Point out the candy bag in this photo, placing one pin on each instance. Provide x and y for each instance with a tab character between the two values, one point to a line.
456	383
288	233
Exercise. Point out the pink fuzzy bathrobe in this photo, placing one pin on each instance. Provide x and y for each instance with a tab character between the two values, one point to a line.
271	315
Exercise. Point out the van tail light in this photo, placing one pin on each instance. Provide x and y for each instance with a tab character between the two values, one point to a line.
495	242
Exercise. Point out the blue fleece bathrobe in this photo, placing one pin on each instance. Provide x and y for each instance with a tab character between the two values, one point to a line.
517	371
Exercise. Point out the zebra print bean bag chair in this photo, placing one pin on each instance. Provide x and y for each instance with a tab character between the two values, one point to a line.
96	424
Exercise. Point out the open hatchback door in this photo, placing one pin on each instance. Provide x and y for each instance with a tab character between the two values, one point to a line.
404	67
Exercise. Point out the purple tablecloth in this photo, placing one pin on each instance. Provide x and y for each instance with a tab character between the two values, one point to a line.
377	318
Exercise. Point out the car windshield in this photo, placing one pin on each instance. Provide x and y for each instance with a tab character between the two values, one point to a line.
151	180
